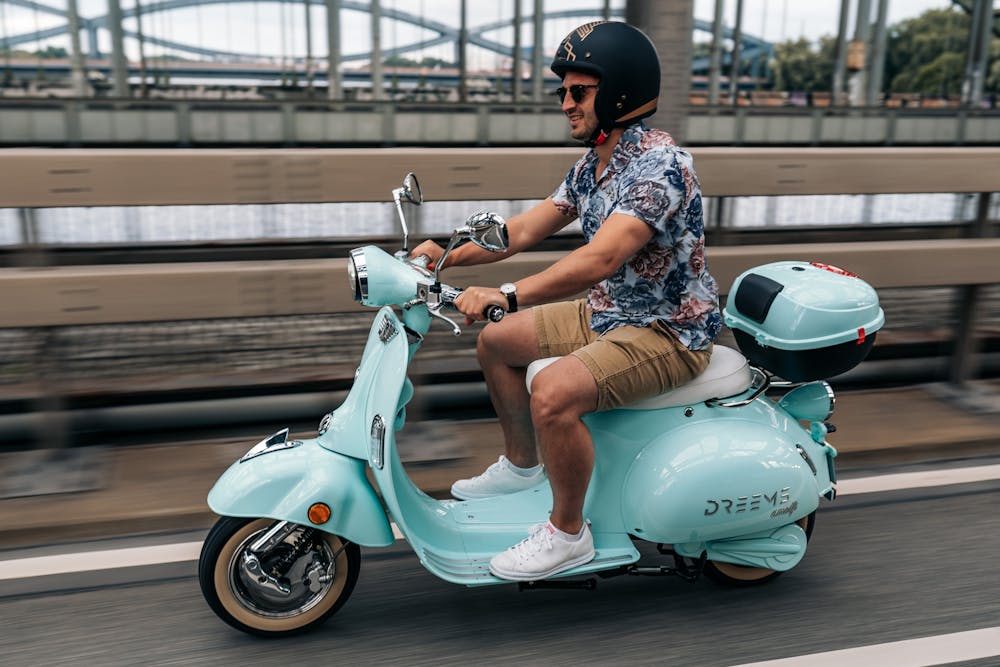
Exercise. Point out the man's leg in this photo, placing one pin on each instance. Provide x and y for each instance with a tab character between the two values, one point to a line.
561	394
504	350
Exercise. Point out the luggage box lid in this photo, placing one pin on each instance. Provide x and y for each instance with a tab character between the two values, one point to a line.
802	306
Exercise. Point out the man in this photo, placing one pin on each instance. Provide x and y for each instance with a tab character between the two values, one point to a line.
652	310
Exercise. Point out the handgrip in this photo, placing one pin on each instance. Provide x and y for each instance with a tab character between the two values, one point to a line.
494	313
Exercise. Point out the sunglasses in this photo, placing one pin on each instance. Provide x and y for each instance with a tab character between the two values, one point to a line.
576	92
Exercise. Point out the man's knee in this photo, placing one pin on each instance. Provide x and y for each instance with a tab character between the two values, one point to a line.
512	340
491	340
554	401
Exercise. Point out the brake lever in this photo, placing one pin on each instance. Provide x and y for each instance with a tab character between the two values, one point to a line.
435	311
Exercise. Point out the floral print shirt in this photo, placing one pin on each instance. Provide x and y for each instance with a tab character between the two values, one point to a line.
651	179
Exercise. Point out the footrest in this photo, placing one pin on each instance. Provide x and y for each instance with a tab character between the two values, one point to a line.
473	569
612	551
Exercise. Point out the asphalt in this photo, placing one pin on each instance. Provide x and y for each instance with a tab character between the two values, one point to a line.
49	496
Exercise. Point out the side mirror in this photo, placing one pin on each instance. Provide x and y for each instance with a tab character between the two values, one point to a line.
409	192
488	231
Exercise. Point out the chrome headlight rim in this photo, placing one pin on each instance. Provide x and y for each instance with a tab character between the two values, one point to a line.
357	271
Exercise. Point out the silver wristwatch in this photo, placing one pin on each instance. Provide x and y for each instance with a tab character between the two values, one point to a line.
510	291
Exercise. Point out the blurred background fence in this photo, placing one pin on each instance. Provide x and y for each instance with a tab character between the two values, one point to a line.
146	287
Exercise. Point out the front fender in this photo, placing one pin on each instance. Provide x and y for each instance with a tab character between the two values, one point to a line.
283	484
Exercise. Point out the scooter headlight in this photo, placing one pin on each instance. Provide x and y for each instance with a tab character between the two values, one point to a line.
357	274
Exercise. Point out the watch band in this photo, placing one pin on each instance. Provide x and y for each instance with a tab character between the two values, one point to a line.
510	291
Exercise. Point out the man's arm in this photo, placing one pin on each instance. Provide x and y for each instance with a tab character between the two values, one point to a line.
524	231
619	238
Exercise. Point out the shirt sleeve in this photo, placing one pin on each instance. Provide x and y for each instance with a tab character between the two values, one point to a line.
564	198
654	189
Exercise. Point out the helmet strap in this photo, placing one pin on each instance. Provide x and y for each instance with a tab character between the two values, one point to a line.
597	138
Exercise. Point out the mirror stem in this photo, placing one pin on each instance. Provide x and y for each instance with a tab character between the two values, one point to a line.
455	241
402	219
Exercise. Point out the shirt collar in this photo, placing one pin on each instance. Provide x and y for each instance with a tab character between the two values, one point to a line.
625	149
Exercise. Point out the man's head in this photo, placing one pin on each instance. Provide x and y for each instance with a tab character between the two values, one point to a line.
623	64
578	92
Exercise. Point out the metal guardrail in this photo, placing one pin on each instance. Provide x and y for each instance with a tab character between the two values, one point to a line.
68	296
47	299
122	177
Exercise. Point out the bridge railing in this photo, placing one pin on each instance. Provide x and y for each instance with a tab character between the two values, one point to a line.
47	301
288	122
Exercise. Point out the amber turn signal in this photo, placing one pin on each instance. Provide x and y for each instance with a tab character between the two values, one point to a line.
319	513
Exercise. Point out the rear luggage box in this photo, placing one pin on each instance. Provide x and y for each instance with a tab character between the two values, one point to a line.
803	321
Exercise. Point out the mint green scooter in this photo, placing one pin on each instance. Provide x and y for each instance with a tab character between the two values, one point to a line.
723	479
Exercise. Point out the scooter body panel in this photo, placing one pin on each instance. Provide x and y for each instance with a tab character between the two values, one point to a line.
376	390
331	468
283	484
455	539
724	473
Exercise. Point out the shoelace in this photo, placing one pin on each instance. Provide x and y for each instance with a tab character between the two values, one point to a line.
493	470
537	539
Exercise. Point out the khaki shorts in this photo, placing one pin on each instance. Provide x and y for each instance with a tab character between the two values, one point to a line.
628	363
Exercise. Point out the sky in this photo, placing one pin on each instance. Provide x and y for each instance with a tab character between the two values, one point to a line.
277	29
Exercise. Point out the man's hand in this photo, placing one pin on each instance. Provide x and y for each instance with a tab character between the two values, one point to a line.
432	250
474	300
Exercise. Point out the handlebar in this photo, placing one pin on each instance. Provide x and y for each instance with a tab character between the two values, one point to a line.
492	313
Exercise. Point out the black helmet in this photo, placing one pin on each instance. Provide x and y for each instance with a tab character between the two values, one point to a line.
625	61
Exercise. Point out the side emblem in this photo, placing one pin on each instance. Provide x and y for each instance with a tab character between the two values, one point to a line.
387	330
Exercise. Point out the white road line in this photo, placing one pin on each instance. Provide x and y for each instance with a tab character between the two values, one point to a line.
39	566
939	650
918	480
109	559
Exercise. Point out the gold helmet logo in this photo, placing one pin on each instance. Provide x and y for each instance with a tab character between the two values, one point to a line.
583	32
568	50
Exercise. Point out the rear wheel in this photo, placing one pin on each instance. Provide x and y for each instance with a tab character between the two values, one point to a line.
293	586
730	574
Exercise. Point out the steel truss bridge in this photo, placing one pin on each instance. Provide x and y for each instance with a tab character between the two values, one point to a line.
753	48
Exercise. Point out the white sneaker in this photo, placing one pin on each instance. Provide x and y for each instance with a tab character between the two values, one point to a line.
542	554
497	480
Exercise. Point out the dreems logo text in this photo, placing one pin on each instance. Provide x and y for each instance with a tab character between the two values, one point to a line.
751	503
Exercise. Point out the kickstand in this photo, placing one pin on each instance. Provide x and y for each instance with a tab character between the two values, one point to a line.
578	584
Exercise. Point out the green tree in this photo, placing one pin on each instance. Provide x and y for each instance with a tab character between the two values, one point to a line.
922	53
993	77
941	77
798	67
926	55
52	52
426	61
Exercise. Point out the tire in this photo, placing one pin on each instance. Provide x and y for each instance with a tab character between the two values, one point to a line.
238	597
731	574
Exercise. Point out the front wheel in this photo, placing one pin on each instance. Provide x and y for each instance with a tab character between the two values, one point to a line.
291	586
